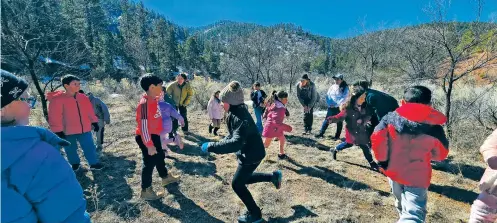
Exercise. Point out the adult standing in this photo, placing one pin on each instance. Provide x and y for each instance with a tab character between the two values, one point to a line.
379	102
181	92
307	95
335	97
258	96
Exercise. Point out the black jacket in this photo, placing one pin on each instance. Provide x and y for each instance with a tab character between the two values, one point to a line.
243	138
254	97
381	103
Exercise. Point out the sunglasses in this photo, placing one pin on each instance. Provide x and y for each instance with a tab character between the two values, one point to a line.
31	101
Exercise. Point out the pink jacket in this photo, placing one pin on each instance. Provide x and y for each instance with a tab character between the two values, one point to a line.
274	126
489	150
215	109
70	114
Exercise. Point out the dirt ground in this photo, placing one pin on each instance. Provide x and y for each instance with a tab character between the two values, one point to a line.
315	187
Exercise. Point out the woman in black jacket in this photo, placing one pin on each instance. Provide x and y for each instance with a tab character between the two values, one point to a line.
244	140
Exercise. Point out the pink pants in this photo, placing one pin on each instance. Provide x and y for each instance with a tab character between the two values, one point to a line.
484	209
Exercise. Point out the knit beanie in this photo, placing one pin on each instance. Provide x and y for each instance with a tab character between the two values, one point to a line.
232	94
12	87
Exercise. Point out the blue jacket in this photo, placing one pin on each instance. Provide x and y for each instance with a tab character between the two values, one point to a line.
335	97
38	185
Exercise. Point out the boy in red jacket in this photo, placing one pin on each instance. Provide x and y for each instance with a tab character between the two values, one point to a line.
71	117
405	142
148	130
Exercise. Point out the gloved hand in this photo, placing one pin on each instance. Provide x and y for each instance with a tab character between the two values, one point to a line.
95	126
204	147
60	135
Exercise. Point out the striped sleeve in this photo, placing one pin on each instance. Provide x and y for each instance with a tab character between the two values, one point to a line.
144	125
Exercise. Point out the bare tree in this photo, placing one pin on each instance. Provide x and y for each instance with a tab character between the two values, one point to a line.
32	29
458	49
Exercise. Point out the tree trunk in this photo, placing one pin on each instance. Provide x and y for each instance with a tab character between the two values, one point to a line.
38	88
448	106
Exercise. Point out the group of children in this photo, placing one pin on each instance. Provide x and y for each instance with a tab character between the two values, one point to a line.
403	140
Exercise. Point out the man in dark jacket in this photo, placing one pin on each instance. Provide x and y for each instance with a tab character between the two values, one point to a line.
245	140
380	103
308	96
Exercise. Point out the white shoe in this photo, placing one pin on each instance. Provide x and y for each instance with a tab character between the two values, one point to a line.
178	141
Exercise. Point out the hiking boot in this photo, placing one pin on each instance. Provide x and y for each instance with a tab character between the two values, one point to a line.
75	167
150	195
319	135
169	180
97	166
334	154
249	218
178	141
277	178
282	156
210	128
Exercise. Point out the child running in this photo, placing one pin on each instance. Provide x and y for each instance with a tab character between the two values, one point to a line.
357	131
484	208
245	140
216	112
273	125
37	183
405	142
148	129
168	112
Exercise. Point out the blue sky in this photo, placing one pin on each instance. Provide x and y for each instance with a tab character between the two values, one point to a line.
332	18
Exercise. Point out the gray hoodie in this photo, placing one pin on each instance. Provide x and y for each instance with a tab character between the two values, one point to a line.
100	108
307	95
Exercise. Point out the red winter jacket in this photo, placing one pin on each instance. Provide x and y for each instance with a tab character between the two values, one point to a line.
407	140
70	114
148	119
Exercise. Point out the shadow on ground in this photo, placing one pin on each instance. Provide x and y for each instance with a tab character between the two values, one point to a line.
110	187
299	140
198	168
454	193
299	212
467	171
332	177
189	211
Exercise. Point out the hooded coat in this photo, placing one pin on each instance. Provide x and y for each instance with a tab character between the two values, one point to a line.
70	114
407	140
38	185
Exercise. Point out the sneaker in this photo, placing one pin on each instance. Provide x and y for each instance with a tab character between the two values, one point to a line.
319	135
75	167
334	154
150	195
169	179
97	166
178	141
282	156
277	178
335	138
249	218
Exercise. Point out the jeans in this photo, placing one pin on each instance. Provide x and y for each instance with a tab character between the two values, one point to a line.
87	144
183	112
245	175
151	162
308	119
410	202
258	117
332	112
366	151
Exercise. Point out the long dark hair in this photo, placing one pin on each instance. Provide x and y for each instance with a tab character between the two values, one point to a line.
343	86
276	96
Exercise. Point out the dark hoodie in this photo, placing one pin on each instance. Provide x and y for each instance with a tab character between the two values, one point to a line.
243	138
407	140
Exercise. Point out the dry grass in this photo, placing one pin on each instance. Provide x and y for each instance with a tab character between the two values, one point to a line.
315	188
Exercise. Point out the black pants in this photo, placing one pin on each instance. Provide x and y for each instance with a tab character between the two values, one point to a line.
245	175
332	112
183	112
308	119
151	162
366	150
